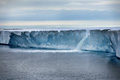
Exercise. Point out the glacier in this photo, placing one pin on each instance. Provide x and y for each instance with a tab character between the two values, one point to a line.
4	37
106	40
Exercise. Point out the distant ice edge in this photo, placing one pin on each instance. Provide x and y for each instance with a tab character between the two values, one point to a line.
99	40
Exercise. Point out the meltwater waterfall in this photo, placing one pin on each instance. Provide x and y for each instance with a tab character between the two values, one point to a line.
81	43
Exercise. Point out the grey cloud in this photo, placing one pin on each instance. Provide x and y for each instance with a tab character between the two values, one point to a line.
45	3
52	4
62	15
44	10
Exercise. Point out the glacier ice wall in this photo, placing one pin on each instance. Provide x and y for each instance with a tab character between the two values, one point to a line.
98	40
114	37
47	39
82	42
4	37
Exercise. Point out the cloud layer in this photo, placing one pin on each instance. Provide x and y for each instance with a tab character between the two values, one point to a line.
34	10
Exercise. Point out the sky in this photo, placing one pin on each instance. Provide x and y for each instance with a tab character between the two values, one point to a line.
59	10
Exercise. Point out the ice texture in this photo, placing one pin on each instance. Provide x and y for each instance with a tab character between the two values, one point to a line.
114	37
65	39
106	40
98	41
4	37
82	42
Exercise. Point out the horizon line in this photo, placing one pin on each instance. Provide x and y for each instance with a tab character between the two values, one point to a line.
81	22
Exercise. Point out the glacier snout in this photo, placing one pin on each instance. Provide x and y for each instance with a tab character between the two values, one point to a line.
98	40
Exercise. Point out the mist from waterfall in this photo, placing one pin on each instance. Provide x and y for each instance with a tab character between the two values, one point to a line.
81	43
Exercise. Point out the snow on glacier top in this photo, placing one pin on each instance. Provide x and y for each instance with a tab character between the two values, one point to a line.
61	29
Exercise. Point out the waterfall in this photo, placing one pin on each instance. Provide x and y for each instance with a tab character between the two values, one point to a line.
80	44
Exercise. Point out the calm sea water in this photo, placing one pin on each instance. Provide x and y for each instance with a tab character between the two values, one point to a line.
19	64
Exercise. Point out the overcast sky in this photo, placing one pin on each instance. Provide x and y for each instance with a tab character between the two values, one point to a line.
48	10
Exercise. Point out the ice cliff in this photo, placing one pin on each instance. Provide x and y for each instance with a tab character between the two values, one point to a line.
99	40
4	37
